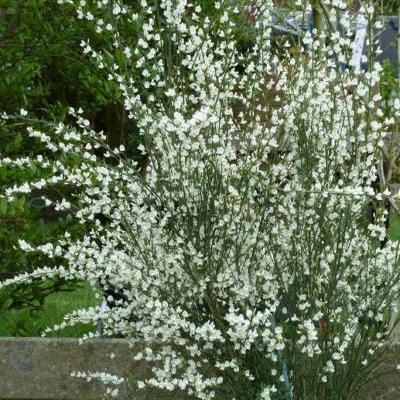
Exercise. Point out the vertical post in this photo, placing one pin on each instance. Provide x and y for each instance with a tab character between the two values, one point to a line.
358	46
282	361
317	16
398	52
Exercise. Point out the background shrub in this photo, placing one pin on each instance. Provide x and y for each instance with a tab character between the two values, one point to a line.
43	71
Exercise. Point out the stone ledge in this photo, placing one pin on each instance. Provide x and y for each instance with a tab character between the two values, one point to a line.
40	368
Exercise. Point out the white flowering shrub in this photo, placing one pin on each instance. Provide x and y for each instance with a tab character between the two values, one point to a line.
240	254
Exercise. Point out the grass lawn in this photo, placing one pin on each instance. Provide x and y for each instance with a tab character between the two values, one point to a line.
32	323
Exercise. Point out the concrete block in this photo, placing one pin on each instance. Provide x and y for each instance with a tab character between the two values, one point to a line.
40	368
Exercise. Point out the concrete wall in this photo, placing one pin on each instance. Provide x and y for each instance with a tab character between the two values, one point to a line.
37	368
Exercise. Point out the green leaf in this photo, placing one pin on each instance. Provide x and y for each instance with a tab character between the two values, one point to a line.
3	206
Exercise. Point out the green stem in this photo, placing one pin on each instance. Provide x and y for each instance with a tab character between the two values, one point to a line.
283	363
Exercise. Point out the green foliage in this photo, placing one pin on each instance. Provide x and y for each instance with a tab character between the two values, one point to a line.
395	227
41	62
389	83
44	71
32	322
388	7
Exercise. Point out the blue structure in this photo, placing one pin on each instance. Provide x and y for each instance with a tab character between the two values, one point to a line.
388	40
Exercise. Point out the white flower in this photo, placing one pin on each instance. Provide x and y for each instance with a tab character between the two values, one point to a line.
170	92
239	236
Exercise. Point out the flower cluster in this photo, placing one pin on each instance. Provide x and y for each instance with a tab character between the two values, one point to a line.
241	254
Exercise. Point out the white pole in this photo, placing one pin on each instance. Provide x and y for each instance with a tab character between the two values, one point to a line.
358	47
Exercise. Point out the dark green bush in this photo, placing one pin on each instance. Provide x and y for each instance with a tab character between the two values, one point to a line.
43	71
28	219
